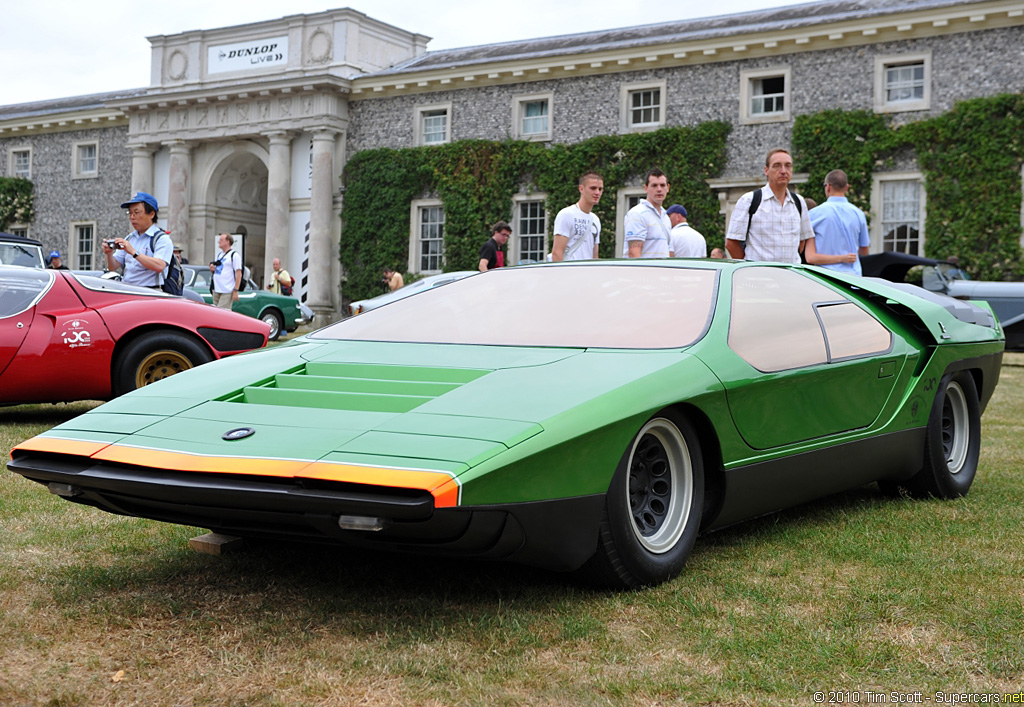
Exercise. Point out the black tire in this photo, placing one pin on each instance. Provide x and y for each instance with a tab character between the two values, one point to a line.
154	356
952	441
276	322
652	508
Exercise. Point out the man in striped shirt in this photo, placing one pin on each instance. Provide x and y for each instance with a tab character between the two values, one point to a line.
774	232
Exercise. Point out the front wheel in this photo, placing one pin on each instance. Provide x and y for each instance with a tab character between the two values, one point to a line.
276	322
154	356
653	506
952	441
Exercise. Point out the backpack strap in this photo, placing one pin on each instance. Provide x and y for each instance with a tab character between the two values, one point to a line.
755	203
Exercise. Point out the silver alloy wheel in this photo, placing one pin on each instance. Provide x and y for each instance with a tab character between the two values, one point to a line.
956	430
659	485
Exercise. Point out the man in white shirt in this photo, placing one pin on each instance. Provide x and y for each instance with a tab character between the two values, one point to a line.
780	223
227	273
687	242
577	227
647	225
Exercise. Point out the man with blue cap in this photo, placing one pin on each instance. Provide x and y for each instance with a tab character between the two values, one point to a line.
53	262
147	250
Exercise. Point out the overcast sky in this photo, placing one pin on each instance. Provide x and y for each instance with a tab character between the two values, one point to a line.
60	48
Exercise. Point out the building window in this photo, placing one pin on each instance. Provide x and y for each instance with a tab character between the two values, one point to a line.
531	117
83	246
433	124
642	106
426	237
899	208
764	95
530	228
626	199
21	163
902	83
86	160
18	231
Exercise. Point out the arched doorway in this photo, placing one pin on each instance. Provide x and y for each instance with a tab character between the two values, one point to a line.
237	203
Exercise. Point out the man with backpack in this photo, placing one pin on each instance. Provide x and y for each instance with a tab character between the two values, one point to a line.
280	281
146	252
227	273
770	223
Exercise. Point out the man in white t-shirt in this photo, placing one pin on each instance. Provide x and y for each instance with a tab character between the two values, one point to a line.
227	273
687	242
577	227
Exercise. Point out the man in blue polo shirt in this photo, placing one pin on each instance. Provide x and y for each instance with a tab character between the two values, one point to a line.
647	225
147	250
840	229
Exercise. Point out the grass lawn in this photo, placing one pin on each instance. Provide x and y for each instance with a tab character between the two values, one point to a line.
852	594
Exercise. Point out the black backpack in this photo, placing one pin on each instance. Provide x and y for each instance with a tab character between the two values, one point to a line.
174	281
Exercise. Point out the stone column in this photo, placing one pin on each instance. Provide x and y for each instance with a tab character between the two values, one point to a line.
142	169
279	187
178	197
321	202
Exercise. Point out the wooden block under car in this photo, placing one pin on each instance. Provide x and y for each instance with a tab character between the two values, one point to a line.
215	543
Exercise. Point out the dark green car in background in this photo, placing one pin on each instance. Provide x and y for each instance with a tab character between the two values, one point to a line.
280	312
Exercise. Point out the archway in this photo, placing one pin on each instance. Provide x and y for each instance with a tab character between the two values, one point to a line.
236	199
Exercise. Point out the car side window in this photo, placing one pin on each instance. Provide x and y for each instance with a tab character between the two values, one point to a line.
783	320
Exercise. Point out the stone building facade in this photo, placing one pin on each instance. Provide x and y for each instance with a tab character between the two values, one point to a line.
247	129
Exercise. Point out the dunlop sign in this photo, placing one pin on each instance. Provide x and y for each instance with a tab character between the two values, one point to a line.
246	56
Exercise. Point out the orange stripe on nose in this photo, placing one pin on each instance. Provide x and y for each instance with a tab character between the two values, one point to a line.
442	486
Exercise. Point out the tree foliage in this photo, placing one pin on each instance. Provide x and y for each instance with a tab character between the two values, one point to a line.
15	201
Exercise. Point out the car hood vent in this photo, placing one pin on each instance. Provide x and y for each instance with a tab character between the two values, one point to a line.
357	386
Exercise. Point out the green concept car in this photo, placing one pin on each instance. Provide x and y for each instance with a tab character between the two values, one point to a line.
594	415
282	313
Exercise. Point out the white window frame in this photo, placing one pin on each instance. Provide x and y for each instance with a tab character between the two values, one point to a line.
882	63
11	153
748	77
876	231
419	113
621	207
19	229
515	242
415	209
76	162
72	250
518	116
626	92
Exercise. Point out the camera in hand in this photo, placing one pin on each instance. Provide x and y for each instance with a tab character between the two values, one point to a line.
112	244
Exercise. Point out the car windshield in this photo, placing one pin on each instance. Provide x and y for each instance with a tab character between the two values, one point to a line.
21	288
579	306
28	255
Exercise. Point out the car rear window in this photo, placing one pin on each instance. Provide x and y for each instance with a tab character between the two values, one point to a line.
21	288
580	306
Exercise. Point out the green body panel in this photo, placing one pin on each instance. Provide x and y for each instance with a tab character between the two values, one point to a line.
518	424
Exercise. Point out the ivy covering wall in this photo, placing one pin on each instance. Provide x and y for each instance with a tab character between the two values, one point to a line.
476	180
15	201
971	159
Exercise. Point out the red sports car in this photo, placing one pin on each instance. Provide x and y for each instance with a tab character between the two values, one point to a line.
71	337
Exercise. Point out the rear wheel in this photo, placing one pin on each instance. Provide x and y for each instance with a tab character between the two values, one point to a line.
653	506
952	441
276	322
154	356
